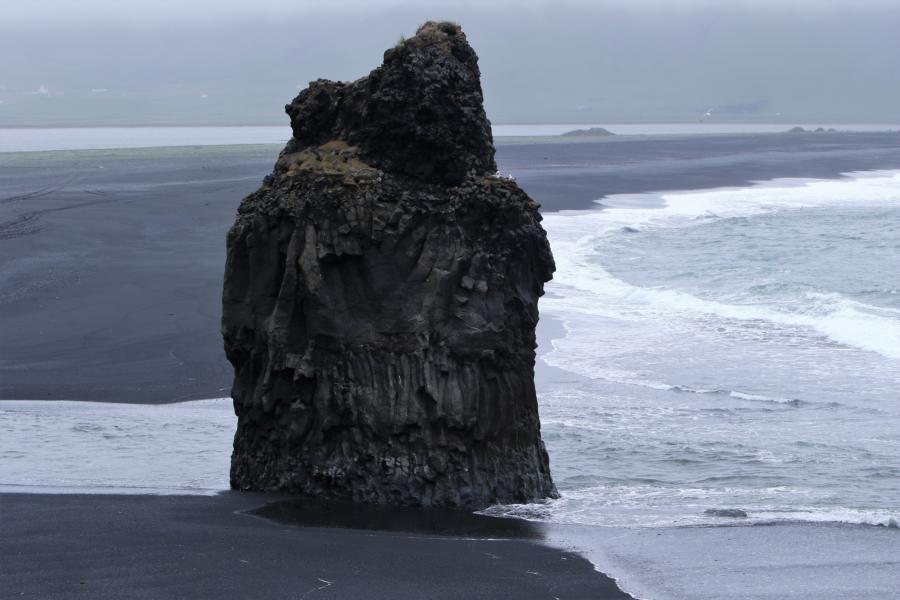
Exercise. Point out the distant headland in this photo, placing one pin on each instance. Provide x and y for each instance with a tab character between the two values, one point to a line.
799	129
591	132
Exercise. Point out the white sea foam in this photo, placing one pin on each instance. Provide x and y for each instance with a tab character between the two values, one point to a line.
659	506
586	287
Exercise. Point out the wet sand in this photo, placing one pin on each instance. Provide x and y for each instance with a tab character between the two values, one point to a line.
95	546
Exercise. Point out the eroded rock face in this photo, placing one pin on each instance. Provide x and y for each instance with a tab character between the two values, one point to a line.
381	294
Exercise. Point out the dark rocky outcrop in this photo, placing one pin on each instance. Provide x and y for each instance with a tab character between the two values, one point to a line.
381	293
419	114
590	132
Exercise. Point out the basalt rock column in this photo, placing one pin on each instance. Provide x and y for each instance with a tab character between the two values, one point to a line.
381	294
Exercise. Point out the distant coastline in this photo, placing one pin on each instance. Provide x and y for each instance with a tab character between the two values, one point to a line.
589	132
38	139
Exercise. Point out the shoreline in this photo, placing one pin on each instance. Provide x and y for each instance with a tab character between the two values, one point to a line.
210	547
576	175
246	544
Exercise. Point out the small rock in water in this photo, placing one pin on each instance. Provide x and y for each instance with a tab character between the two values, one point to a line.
733	513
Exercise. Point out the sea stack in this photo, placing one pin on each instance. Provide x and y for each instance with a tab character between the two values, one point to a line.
381	297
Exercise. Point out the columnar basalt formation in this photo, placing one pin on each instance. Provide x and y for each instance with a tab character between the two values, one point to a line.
381	293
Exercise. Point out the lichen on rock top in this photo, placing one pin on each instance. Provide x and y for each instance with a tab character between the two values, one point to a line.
380	297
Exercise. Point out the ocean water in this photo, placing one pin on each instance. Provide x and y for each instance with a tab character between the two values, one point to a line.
26	139
112	448
731	350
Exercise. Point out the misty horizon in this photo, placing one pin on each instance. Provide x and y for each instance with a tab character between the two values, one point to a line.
619	63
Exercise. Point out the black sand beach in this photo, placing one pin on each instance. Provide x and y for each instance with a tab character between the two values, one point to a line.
112	271
207	547
111	260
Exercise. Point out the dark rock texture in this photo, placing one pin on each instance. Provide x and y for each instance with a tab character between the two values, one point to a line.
419	114
381	294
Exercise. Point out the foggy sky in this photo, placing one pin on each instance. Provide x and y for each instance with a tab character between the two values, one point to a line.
206	62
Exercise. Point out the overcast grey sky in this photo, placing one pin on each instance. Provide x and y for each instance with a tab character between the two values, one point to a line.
205	61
